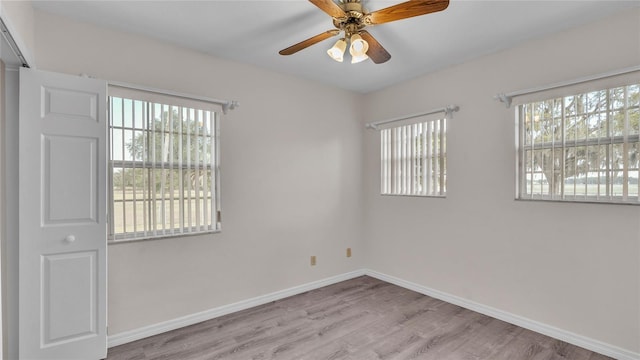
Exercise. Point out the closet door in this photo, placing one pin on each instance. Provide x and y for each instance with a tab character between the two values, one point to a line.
62	217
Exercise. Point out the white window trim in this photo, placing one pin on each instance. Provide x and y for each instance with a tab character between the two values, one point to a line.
609	79
417	120
218	107
609	140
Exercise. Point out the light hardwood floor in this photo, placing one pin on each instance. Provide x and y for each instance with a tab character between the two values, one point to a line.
358	319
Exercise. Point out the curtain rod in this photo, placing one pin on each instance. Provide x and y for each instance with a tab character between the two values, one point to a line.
506	98
449	110
226	104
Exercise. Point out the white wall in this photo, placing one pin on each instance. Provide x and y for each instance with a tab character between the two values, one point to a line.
291	176
572	266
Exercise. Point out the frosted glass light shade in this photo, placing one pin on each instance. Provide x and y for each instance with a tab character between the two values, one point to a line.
359	46
337	50
358	58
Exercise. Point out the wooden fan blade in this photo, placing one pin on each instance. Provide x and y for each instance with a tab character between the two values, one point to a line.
329	7
310	41
376	52
405	10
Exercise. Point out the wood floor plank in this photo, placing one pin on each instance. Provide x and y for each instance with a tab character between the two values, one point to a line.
359	319
523	348
445	339
493	337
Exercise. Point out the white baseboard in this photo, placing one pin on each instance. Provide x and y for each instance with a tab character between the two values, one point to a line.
560	334
554	332
159	328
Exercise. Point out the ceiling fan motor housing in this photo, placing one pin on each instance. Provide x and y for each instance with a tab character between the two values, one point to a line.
353	6
353	22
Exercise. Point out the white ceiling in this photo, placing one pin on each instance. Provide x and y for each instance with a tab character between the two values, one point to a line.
253	32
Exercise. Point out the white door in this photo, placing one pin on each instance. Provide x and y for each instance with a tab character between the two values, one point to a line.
62	217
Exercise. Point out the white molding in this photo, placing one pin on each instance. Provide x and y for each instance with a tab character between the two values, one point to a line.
155	329
554	332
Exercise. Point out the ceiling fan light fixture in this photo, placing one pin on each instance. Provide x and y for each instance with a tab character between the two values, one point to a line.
358	58
359	46
337	50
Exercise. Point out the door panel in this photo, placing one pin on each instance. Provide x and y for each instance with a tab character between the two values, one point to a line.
66	103
62	217
67	318
69	179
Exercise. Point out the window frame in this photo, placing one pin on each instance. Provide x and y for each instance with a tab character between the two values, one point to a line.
212	167
627	140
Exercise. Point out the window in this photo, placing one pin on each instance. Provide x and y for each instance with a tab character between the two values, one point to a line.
581	147
163	166
414	159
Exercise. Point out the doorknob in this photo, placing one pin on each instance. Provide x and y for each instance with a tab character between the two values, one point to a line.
69	239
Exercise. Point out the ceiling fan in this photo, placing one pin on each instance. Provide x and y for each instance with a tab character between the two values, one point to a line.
351	18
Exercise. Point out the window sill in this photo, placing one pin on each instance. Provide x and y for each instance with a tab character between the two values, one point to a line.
576	201
160	237
415	196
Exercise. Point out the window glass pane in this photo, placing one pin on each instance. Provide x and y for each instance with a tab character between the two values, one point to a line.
617	98
137	145
115	112
617	169
138	114
127	112
634	121
116	145
571	179
591	170
571	128
633	92
557	123
617	122
598	125
582	129
525	116
634	165
546	170
129	145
